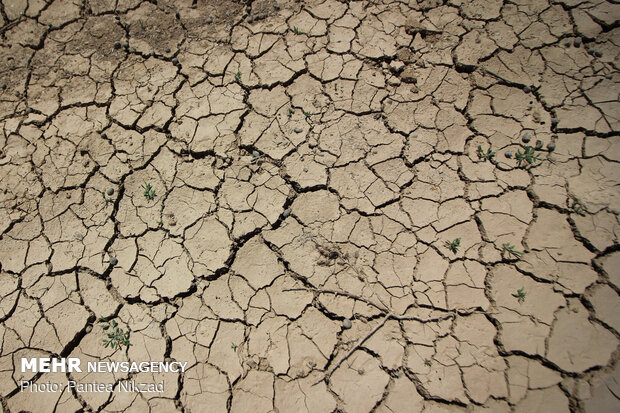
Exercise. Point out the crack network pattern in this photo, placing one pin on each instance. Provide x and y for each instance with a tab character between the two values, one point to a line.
320	206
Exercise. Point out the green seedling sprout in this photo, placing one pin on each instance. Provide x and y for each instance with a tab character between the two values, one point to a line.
149	191
485	155
510	249
520	295
453	245
116	336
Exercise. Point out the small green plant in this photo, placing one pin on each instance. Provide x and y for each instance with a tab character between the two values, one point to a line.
578	208
306	114
107	200
149	192
117	337
510	249
160	223
529	155
453	245
238	77
427	362
233	346
485	155
296	30
290	113
520	295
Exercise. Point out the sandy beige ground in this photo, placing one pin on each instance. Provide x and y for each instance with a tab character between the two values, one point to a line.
340	218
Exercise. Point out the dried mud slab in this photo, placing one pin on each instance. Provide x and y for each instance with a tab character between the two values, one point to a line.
313	206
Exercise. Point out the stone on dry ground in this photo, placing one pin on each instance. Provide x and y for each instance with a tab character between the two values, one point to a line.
268	192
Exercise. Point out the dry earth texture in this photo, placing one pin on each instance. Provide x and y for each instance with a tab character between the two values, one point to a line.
320	206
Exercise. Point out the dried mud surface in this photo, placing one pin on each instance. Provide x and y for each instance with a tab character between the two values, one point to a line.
309	163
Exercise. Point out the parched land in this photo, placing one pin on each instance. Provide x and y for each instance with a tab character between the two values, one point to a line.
313	206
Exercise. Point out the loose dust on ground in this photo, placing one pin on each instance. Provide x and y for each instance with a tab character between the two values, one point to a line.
320	206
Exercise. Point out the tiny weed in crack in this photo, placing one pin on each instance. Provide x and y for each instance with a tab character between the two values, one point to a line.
529	155
520	295
485	155
510	249
453	245
577	208
149	192
117	337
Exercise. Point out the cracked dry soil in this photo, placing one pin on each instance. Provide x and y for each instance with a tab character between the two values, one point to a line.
319	206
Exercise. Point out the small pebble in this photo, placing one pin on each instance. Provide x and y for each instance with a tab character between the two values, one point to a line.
554	121
577	41
508	154
104	135
567	43
346	324
526	137
539	144
277	6
117	45
3	86
110	191
590	50
175	61
79	236
255	154
286	212
598	53
248	9
209	20
377	116
89	329
167	50
113	261
527	89
125	44
298	130
250	20
178	15
551	146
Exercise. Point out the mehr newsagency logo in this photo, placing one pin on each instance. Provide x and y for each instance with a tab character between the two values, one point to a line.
74	365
